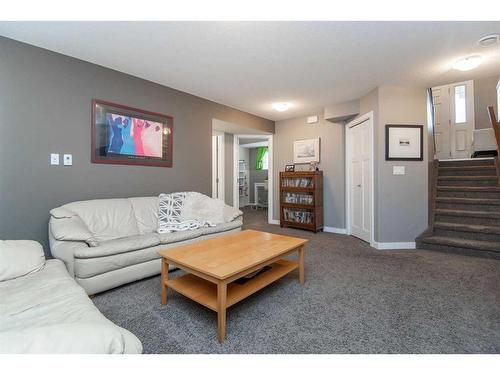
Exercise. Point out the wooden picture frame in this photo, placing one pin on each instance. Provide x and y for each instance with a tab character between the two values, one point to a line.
404	142
130	136
306	151
290	168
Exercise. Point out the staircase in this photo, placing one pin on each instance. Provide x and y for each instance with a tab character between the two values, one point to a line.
464	208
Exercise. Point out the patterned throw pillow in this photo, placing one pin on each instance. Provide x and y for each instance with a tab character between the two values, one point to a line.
169	214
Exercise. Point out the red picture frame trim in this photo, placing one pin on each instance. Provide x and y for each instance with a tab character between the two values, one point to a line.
95	160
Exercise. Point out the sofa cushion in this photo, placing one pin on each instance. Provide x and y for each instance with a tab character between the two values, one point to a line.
89	267
106	219
119	245
20	258
48	312
86	268
172	237
145	213
222	227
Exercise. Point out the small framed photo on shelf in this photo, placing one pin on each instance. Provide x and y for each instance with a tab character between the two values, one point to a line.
404	142
306	151
290	168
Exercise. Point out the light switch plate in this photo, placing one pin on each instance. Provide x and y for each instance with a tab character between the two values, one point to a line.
398	170
68	159
54	159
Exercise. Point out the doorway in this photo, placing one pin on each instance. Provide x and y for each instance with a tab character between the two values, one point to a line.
218	165
453	119
360	180
253	175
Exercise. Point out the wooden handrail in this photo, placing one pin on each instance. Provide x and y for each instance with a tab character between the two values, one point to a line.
495	125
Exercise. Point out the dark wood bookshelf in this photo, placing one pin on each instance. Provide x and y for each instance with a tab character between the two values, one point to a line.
301	200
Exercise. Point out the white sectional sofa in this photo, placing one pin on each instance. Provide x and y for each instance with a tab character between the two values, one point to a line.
43	310
105	243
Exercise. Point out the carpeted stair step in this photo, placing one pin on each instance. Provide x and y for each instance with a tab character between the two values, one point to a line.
468	170
462	246
467	231
468	180
469	191
466	162
472	204
465	216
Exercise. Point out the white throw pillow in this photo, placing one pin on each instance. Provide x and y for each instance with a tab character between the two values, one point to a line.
169	214
19	258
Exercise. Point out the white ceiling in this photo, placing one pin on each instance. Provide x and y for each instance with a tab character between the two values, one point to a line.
250	65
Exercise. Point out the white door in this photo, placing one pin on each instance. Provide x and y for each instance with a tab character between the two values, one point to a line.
360	166
218	166
454	119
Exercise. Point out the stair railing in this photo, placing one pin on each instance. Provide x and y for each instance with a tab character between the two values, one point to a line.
495	125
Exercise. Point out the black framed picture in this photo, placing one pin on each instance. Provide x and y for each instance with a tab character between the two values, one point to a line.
404	142
290	168
130	136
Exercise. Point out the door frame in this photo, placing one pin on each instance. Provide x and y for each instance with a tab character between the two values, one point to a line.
218	136
270	172
451	108
357	121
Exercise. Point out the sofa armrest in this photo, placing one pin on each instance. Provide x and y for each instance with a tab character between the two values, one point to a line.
65	251
231	213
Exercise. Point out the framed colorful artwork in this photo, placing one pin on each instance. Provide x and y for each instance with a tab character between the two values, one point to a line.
130	136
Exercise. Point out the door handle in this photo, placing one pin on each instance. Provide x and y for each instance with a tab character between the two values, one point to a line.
359	185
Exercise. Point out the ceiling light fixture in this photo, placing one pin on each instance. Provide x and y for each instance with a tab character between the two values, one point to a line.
282	106
468	63
489	40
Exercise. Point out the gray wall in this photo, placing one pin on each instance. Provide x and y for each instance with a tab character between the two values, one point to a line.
255	175
485	94
331	162
402	200
45	106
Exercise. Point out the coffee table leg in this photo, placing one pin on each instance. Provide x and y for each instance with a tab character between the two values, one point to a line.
301	265
221	311
164	278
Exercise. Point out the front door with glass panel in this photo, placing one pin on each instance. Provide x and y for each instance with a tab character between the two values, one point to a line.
453	119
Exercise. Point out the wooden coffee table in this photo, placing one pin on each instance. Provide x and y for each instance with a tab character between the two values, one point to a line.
213	265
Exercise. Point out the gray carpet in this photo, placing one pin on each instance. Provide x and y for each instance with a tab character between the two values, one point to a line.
355	300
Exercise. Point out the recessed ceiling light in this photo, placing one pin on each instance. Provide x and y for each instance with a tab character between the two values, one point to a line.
468	63
489	40
282	106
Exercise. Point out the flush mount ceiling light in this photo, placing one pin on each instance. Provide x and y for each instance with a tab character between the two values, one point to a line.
489	40
468	63
282	106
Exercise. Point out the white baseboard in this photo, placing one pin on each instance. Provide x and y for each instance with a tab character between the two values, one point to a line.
395	245
274	221
335	230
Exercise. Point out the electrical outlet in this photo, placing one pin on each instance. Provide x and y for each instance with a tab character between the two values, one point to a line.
398	170
68	159
54	159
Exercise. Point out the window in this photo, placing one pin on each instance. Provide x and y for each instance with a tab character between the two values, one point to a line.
262	159
265	160
460	105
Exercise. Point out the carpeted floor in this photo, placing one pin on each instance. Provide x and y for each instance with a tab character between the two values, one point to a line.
355	300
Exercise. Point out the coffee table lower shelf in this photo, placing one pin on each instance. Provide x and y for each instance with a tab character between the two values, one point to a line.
205	293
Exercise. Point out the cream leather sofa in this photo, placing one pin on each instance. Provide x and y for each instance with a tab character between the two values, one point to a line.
43	310
105	243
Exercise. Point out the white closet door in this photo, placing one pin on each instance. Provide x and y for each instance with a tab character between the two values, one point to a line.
360	189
